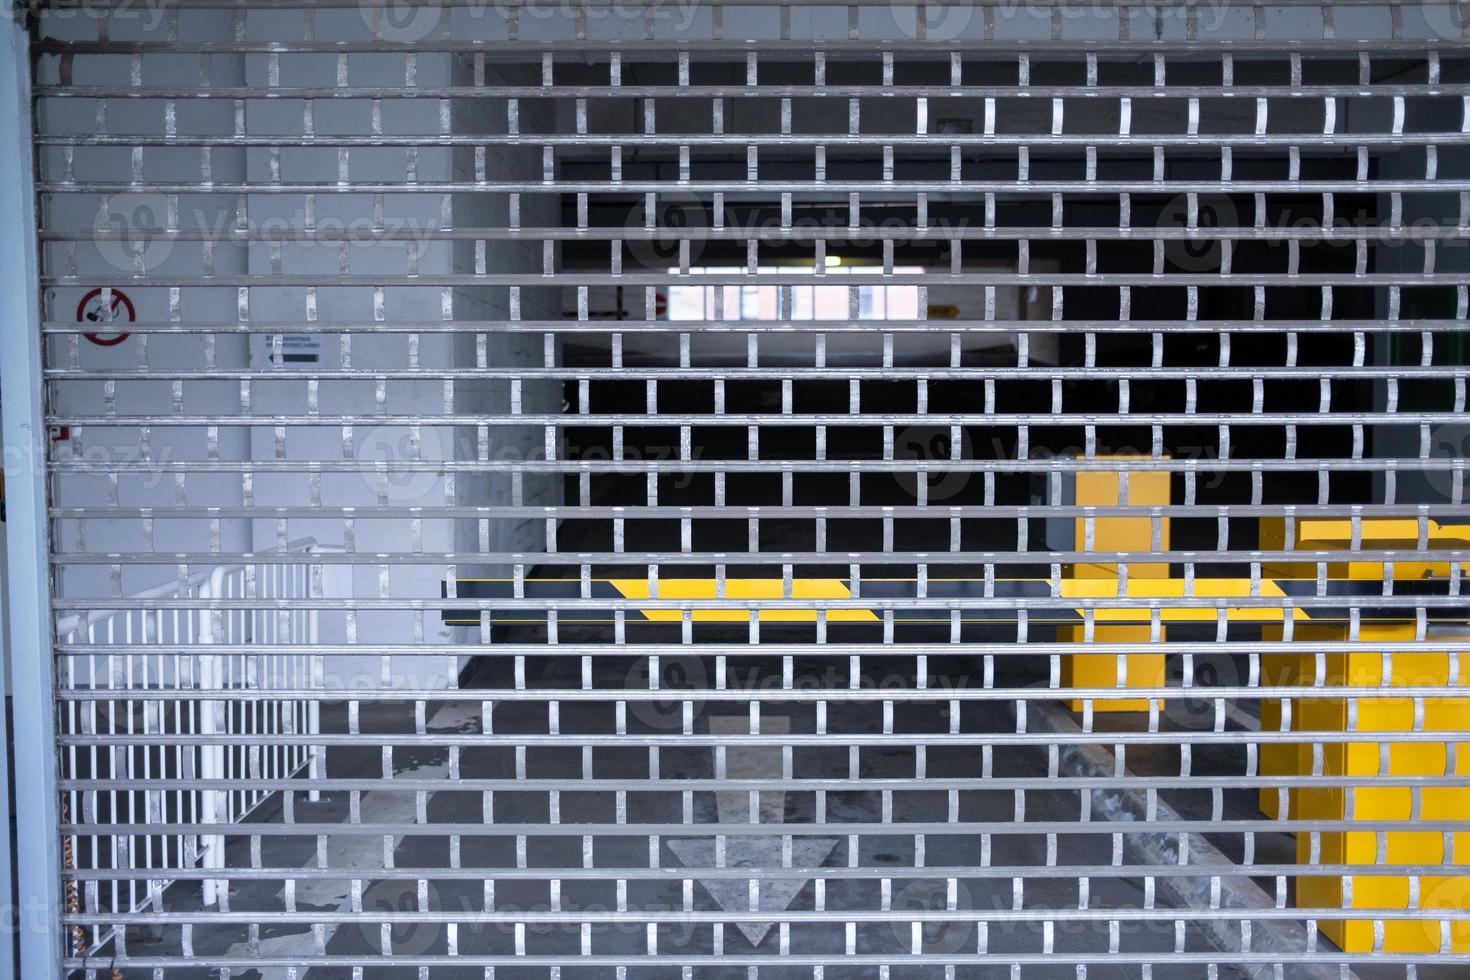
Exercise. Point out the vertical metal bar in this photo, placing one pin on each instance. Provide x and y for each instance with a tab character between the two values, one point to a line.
31	681
7	856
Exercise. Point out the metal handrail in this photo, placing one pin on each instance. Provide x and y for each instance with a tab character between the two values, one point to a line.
76	621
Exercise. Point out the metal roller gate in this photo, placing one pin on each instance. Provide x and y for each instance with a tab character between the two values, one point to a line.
803	489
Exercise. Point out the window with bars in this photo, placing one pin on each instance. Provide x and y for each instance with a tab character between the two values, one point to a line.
752	301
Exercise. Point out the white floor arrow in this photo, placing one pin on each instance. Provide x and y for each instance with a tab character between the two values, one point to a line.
734	808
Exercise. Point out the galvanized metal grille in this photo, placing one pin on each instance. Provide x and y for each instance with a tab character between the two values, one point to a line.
681	489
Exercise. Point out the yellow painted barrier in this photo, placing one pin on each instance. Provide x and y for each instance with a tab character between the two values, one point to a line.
1117	534
1369	802
1383	534
1334	534
743	589
1371	759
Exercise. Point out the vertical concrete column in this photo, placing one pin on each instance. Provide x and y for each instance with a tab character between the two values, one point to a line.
494	480
30	683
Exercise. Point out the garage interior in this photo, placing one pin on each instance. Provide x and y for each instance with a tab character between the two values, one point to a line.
819	490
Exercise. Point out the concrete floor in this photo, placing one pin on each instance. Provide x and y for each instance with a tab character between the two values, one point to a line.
891	852
885	854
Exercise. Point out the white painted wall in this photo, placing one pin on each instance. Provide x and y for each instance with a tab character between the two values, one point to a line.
116	260
290	305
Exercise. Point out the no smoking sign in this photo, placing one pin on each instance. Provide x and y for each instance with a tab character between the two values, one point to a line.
114	308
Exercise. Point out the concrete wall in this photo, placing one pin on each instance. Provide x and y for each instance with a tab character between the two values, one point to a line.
502	349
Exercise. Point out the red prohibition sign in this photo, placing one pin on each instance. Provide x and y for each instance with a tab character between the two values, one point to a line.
90	310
